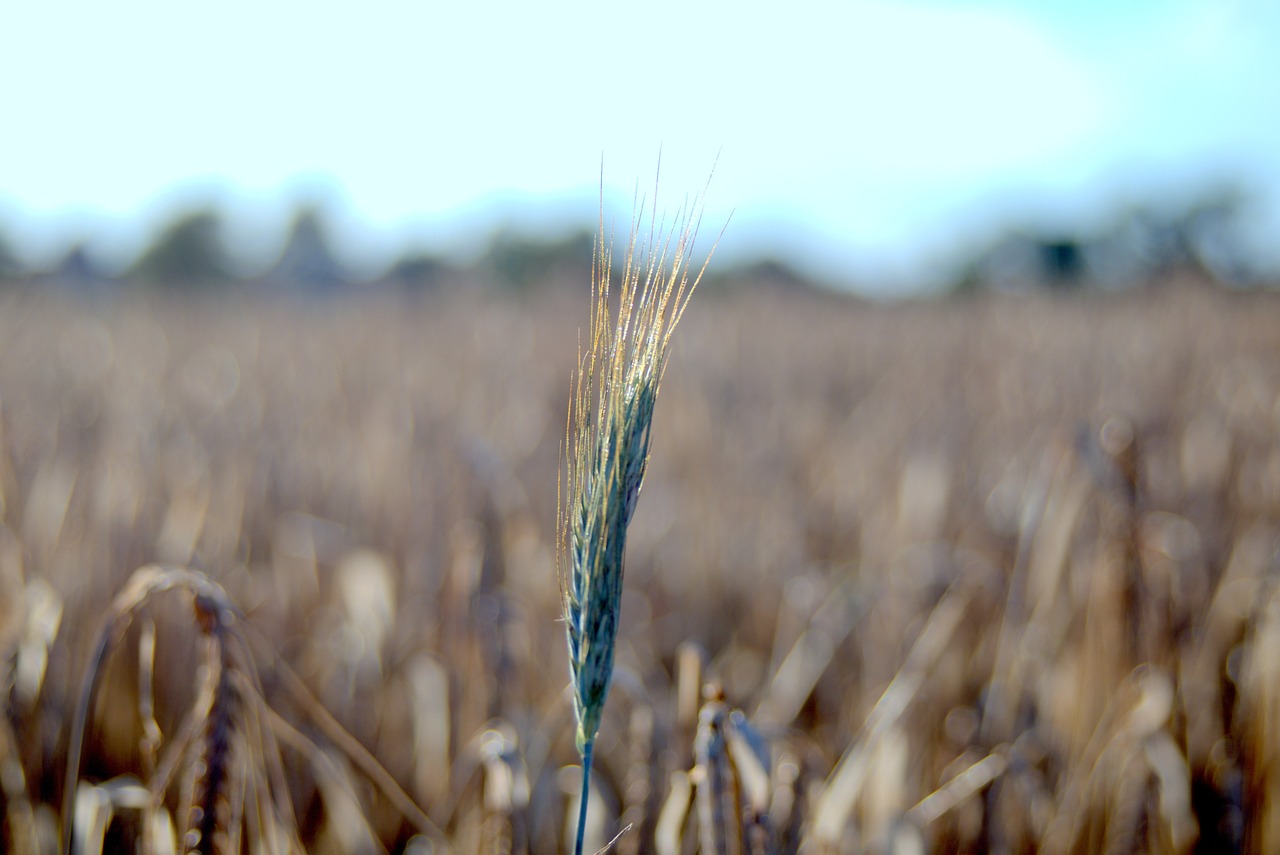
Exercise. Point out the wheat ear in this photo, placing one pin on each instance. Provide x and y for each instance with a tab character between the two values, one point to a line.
607	444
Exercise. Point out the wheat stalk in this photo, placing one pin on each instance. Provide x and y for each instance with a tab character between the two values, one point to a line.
607	437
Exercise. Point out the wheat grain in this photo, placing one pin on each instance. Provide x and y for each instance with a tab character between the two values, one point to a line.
607	443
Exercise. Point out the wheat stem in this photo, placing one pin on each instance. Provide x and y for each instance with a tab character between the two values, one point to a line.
582	801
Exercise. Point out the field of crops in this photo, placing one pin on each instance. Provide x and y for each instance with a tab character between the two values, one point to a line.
1000	574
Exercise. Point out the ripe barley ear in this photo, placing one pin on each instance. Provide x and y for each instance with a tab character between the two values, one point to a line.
607	436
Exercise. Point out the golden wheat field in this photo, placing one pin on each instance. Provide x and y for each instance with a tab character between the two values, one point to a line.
996	575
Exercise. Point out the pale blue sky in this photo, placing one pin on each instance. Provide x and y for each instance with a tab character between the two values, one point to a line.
866	138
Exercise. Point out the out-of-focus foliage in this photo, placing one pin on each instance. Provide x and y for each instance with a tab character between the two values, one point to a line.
10	266
421	272
188	254
519	262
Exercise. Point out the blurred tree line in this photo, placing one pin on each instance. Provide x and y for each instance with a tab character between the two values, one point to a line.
191	253
1203	240
1140	245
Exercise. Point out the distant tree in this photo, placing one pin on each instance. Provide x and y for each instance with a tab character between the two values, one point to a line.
1011	262
1156	239
420	272
519	262
188	254
1212	233
775	274
11	267
77	267
307	262
1061	262
1203	238
770	273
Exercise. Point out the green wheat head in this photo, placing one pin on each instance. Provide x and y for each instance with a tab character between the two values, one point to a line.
607	438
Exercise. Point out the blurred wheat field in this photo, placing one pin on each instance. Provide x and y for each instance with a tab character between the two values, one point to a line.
988	575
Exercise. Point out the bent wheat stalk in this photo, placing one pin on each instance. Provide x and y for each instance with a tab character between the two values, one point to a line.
607	445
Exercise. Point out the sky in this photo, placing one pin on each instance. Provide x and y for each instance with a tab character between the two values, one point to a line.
859	140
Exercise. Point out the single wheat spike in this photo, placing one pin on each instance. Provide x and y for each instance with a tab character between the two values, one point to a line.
607	446
207	815
718	788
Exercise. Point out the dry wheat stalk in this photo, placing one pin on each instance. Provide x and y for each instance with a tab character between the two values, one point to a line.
221	775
